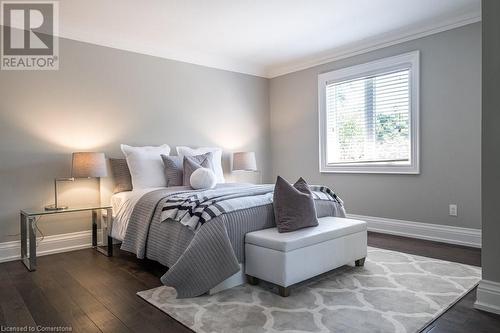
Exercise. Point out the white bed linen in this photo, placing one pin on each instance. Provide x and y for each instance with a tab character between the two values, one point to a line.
123	204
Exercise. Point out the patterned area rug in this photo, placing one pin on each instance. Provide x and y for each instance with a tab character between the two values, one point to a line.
393	292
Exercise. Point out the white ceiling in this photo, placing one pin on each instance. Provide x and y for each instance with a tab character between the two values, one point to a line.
260	37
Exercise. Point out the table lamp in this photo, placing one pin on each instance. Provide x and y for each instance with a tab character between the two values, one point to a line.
244	161
84	165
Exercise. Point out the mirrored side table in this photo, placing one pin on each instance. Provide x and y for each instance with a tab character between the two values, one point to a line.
28	230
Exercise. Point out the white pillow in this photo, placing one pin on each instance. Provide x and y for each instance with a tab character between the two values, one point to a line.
216	162
203	178
146	166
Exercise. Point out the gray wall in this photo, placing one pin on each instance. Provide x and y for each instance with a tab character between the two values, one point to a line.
450	104
102	97
491	140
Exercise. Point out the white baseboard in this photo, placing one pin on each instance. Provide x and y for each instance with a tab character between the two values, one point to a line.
434	232
488	296
441	233
51	244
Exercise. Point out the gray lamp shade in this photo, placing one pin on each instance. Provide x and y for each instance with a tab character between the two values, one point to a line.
88	165
244	161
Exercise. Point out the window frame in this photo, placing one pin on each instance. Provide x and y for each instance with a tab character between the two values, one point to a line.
409	60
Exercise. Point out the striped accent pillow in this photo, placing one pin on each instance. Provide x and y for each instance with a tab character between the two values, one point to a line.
121	175
173	170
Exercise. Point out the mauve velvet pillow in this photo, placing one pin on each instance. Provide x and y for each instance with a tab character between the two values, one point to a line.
293	206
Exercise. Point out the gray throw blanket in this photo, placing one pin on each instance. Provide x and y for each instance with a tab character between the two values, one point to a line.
199	260
195	209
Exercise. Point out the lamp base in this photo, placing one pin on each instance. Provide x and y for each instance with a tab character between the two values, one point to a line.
54	207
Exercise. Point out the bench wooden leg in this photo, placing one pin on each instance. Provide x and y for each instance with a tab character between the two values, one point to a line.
252	280
284	291
360	262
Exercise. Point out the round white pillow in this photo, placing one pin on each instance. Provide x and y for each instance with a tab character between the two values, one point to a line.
203	178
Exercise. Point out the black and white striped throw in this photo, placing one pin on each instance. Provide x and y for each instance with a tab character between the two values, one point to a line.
195	209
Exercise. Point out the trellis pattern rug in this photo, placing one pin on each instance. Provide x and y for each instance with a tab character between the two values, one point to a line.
393	292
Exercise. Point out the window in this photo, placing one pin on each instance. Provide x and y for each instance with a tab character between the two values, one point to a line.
369	117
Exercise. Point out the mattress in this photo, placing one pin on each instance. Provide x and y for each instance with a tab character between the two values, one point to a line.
123	204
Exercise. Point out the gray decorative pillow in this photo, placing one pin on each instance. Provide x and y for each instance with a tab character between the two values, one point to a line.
121	175
173	170
293	206
191	163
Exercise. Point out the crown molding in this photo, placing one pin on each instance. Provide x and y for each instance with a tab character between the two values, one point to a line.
191	57
373	44
212	60
204	59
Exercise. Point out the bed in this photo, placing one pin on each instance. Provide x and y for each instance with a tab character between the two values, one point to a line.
203	258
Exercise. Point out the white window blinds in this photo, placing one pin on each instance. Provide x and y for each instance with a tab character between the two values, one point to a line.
368	119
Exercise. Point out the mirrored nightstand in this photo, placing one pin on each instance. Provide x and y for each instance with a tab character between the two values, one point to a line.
28	230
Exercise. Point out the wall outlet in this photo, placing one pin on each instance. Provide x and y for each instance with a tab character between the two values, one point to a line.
453	210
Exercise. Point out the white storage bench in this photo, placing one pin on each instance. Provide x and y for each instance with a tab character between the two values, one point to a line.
288	258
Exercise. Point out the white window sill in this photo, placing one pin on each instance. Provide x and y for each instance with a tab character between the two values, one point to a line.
411	170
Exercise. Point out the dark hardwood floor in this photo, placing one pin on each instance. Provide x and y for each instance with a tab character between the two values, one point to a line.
89	292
